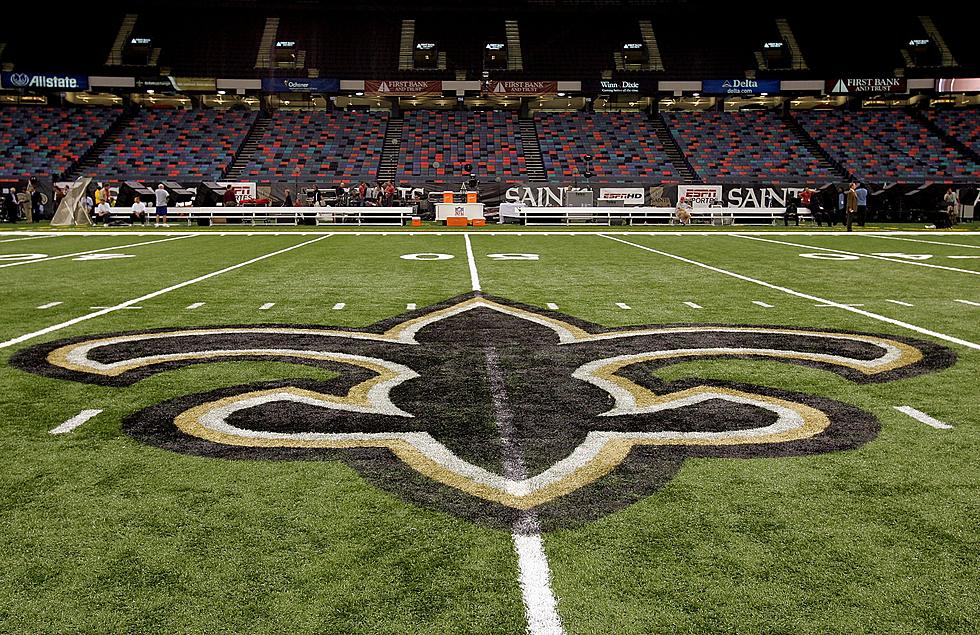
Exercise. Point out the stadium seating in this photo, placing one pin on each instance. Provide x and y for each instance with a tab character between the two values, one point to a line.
887	146
46	141
439	143
744	146
176	144
317	144
623	145
964	125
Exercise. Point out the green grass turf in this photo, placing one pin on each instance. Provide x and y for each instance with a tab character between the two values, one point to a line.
103	534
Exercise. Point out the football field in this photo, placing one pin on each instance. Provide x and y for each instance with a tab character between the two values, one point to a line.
480	432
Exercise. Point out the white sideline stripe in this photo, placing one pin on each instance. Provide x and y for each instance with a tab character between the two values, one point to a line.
339	306
623	305
552	306
74	422
899	302
95	251
928	242
196	305
970	302
127	308
923	417
693	305
860	255
806	296
267	306
49	305
535	578
963	257
149	296
410	306
474	276
762	304
13	240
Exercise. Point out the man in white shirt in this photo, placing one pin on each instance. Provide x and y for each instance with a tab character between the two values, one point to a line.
139	211
102	213
683	211
161	201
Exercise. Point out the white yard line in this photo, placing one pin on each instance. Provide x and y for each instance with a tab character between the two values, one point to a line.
927	242
762	304
806	296
899	303
95	251
74	422
149	296
474	276
535	579
127	308
903	261
339	306
694	305
970	302
267	306
196	305
13	240
918	415
49	305
623	306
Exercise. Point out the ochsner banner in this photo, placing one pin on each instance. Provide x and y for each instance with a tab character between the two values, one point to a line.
700	195
44	81
629	195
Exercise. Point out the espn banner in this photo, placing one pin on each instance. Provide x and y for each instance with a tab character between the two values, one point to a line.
521	89
402	88
628	195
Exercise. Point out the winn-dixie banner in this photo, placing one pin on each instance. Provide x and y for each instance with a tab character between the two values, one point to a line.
44	81
300	85
402	88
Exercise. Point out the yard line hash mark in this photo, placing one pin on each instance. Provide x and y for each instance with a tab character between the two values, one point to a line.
196	305
552	306
800	294
970	302
74	422
154	294
623	305
764	305
410	306
49	305
339	306
693	305
267	306
918	415
899	302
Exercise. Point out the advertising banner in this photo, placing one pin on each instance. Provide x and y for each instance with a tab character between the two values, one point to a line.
958	85
300	85
609	87
43	81
700	195
243	191
520	89
866	85
739	86
402	87
156	83
202	84
629	195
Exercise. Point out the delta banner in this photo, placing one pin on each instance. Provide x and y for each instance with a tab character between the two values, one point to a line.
520	89
866	85
44	81
958	85
740	86
300	85
403	88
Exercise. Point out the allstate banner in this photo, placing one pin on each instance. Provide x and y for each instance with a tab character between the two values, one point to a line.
300	85
44	81
739	86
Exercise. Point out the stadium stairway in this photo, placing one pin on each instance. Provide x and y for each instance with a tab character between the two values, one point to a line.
391	150
249	147
947	138
816	149
674	153
90	162
532	150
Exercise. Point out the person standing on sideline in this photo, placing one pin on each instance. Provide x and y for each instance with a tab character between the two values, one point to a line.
862	209
161	205
851	205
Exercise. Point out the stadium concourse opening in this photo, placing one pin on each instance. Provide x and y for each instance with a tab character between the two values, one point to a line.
282	355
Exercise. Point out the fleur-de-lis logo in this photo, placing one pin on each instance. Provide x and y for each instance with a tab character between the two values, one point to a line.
490	409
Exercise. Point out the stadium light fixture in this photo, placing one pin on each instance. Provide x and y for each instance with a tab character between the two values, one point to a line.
697	94
561	94
221	92
149	91
359	94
